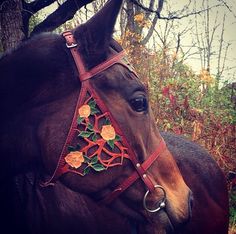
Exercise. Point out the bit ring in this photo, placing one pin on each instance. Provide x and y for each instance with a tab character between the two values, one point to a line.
161	204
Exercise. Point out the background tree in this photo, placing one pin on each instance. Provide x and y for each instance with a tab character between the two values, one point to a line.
15	18
11	23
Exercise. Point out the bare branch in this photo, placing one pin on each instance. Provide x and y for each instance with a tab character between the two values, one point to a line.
197	36
178	43
171	16
219	73
227	6
159	36
63	13
37	5
151	5
224	59
158	11
150	32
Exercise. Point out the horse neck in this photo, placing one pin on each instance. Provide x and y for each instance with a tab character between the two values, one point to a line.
17	142
58	209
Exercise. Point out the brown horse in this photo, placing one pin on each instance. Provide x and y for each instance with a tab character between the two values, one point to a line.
45	189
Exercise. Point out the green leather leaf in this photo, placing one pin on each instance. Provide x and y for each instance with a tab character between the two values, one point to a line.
86	170
85	134
111	143
71	148
92	103
117	138
94	137
80	120
94	160
98	167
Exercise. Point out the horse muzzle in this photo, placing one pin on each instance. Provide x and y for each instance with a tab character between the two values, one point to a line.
160	210
183	214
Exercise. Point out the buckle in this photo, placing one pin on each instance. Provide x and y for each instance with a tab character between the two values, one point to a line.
71	45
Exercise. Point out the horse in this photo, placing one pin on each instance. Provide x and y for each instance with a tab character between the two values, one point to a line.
80	149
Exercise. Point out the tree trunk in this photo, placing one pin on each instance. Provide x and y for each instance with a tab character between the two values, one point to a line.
11	23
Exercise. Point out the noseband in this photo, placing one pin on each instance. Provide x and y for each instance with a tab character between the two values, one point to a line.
94	123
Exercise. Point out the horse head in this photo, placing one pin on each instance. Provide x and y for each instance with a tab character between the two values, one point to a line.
91	133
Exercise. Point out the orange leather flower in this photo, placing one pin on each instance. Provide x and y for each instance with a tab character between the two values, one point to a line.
75	159
84	111
108	132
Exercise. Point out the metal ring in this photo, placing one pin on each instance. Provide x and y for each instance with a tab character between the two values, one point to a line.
162	203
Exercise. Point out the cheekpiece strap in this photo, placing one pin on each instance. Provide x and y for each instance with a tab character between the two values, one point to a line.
72	45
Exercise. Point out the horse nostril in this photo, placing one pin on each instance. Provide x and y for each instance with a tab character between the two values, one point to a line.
190	204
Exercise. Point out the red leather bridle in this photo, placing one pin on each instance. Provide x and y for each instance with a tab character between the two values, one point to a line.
140	168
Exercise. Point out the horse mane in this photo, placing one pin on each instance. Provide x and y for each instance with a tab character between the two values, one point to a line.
29	66
44	57
35	38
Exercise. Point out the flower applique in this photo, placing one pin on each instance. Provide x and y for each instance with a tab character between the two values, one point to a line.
74	159
84	111
108	132
96	146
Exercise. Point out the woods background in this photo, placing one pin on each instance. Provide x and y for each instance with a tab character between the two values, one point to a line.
184	52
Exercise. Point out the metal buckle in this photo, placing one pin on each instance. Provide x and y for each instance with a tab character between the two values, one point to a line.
72	45
161	203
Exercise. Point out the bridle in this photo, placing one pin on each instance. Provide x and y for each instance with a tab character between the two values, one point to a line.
90	110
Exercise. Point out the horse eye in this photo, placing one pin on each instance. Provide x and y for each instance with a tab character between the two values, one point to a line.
139	104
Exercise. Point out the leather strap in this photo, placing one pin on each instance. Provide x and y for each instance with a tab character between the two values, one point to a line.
135	175
72	45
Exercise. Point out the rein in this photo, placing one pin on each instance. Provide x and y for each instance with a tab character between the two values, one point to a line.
94	123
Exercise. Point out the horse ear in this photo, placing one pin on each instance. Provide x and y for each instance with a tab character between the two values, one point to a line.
96	33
